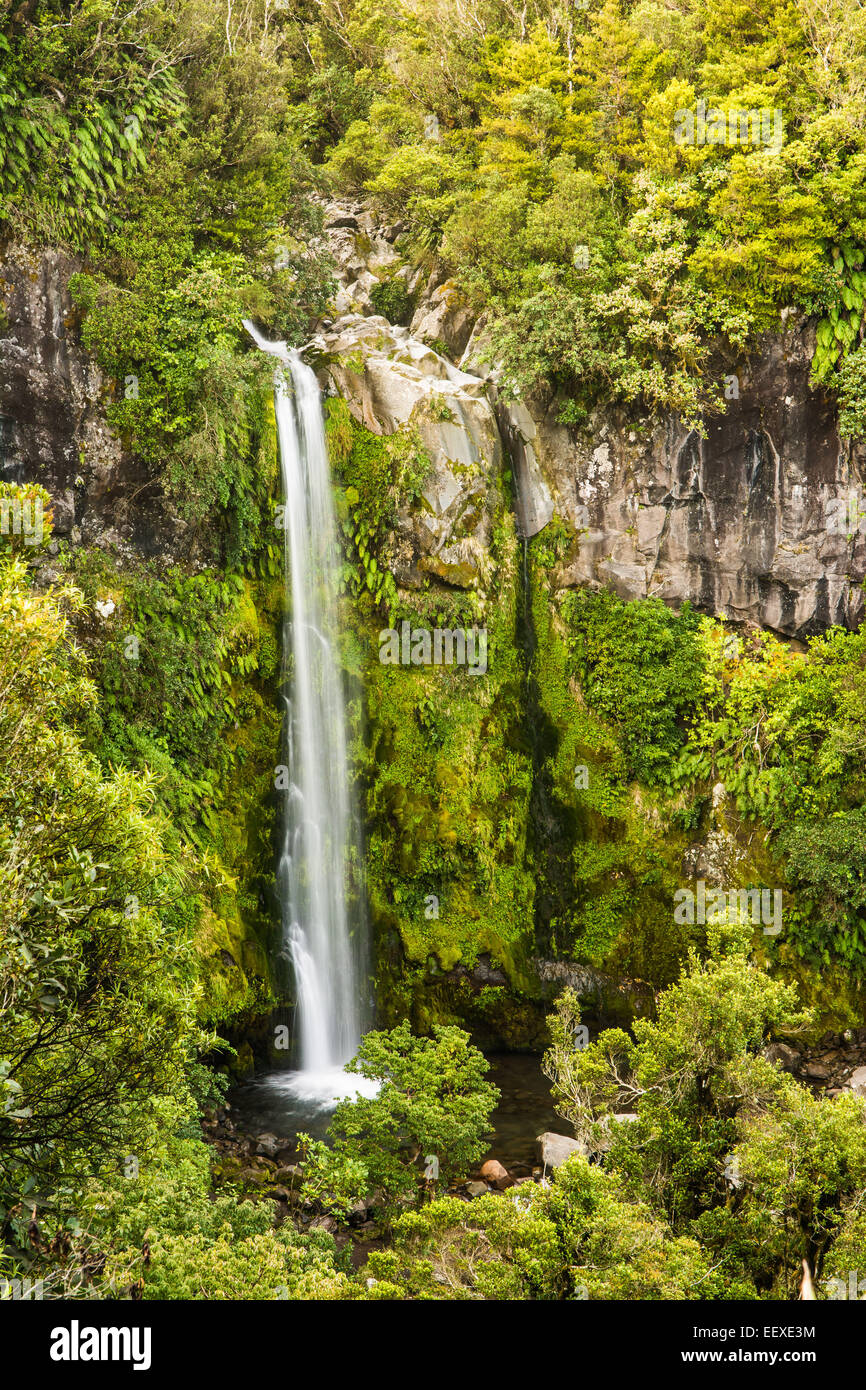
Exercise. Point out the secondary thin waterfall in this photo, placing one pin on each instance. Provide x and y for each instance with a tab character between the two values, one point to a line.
313	864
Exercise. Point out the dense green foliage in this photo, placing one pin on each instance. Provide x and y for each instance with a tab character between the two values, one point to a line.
185	665
77	118
535	150
726	1177
202	1246
640	667
734	1152
579	1238
660	709
178	151
432	1106
98	990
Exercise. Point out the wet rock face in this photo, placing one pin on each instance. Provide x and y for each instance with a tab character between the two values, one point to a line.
740	523
52	424
392	379
533	504
48	391
605	1001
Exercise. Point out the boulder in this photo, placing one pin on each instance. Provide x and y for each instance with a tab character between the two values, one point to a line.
323	1223
358	1211
269	1145
493	1172
554	1149
787	1057
255	1175
817	1071
857	1082
476	1189
444	317
338	220
288	1174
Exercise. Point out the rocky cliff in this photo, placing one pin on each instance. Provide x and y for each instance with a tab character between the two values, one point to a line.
469	782
52	423
742	521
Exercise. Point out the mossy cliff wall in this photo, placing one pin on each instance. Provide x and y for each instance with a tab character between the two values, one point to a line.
525	825
183	642
535	825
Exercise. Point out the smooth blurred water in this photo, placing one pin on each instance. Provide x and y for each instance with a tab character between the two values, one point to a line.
326	956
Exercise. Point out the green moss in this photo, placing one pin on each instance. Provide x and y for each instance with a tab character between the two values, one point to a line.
193	702
444	773
233	966
446	806
391	298
607	865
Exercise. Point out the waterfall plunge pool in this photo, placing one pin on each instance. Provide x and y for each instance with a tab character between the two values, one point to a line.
284	1103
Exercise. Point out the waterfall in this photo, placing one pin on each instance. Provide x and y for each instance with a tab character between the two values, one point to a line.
326	957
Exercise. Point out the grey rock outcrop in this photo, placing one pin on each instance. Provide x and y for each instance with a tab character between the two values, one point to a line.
53	429
743	524
392	381
362	255
747	523
444	317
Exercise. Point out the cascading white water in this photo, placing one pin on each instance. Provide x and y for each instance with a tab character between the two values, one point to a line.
327	961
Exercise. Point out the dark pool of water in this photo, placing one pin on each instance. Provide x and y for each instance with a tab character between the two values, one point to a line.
525	1109
270	1104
